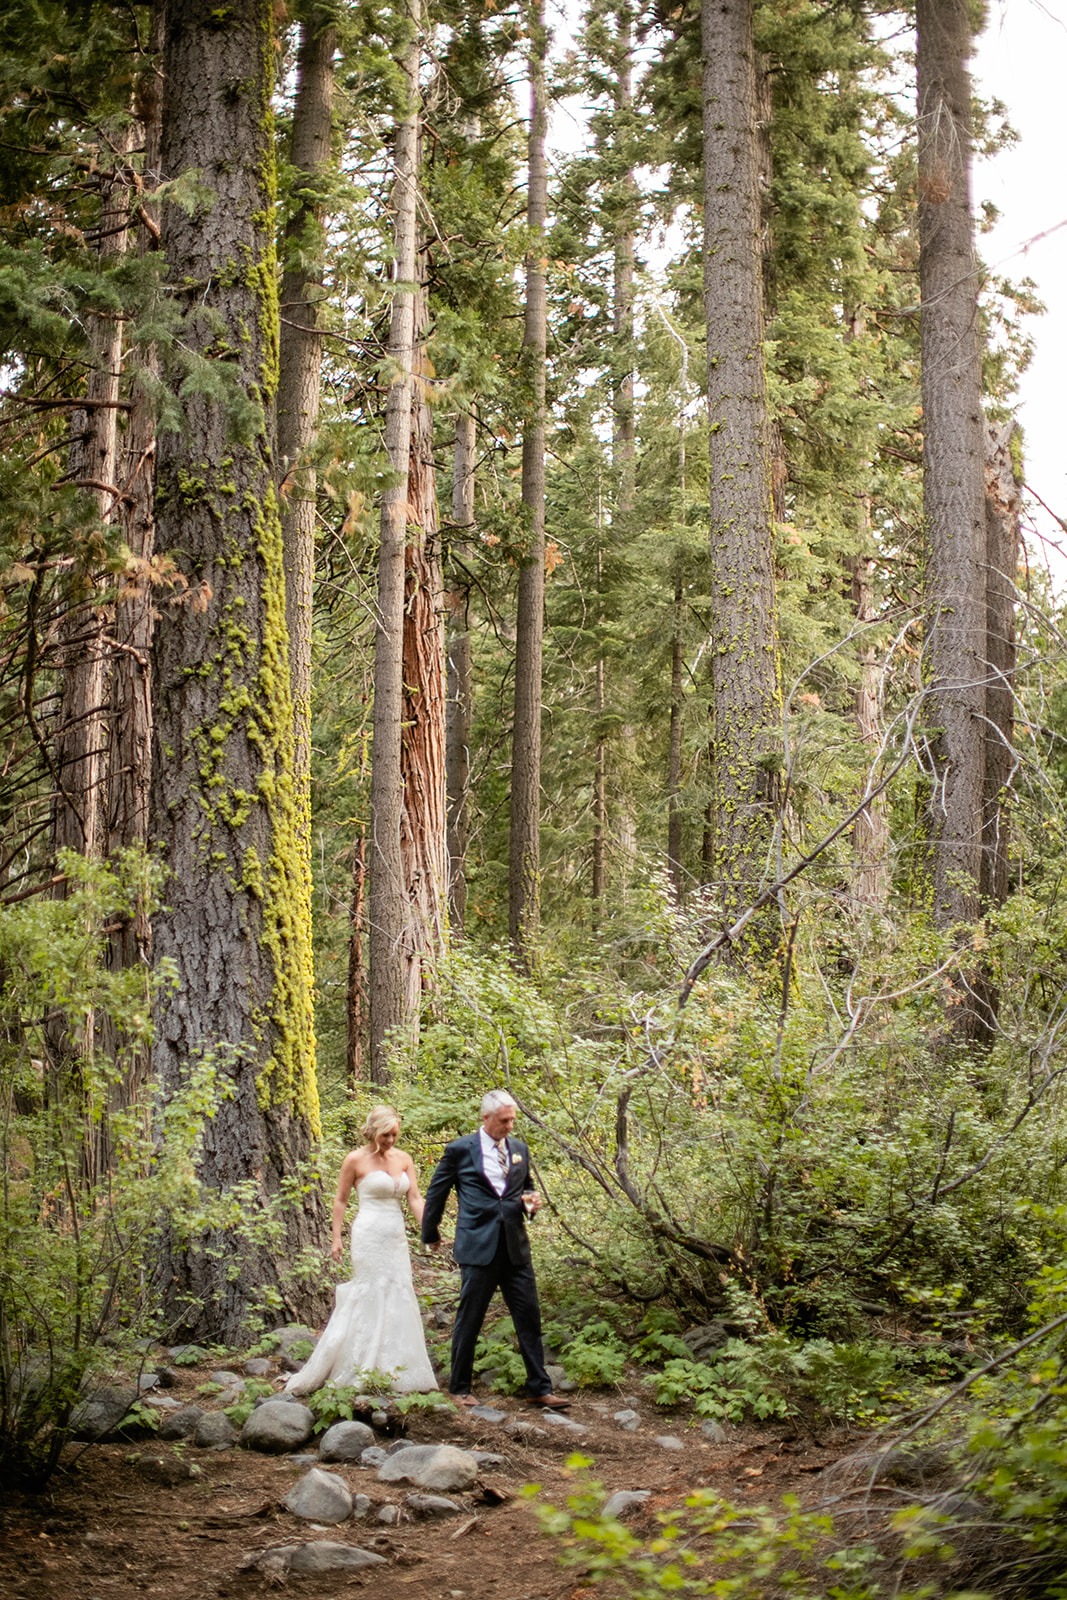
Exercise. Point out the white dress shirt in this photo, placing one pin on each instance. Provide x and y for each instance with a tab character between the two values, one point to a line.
491	1162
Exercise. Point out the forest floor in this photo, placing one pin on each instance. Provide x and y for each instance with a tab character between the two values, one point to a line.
103	1530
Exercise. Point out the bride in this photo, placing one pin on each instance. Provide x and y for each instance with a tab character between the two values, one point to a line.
375	1326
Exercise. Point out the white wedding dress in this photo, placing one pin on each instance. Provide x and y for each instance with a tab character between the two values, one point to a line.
375	1326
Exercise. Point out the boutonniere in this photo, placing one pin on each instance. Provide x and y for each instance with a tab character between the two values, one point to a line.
515	1159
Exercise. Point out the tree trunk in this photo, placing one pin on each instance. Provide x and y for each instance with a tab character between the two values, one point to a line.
130	753
356	995
1002	504
423	830
870	834
953	459
223	801
387	900
524	863
80	742
300	360
460	679
674	751
746	708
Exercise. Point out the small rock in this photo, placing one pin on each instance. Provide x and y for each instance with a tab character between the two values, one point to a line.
431	1505
303	1461
258	1367
667	1441
214	1431
292	1333
372	1456
187	1354
558	1420
630	1420
168	1378
323	1555
704	1339
487	1414
528	1432
345	1441
714	1431
228	1380
320	1497
319	1555
162	1402
277	1427
181	1423
624	1500
101	1413
430	1466
390	1515
168	1470
360	1505
379	1418
486	1458
147	1381
398	1445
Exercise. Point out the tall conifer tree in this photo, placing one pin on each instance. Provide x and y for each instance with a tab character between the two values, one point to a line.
225	808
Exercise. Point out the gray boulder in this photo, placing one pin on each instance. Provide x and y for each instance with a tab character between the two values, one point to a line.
714	1431
214	1431
98	1415
372	1456
630	1420
277	1427
431	1466
320	1497
667	1441
182	1423
258	1367
346	1441
227	1379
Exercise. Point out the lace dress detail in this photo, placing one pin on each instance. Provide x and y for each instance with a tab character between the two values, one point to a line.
375	1325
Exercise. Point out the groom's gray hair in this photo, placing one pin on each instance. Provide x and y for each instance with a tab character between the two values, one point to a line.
494	1100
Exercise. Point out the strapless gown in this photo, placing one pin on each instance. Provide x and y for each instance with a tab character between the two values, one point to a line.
375	1326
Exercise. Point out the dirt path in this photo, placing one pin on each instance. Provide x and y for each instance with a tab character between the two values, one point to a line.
105	1530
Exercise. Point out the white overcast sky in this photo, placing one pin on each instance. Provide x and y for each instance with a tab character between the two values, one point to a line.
1022	60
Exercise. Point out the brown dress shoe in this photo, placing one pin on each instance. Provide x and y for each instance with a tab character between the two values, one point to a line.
463	1399
551	1402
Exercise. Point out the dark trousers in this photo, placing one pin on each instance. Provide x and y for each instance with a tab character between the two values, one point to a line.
519	1289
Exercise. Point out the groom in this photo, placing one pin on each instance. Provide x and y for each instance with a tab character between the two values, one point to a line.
490	1173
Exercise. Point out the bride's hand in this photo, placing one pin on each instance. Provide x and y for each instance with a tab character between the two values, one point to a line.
336	1251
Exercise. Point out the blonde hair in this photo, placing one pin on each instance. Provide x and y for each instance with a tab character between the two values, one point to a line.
379	1121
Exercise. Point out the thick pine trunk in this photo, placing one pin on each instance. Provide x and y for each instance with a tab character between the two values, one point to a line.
460	678
224	805
746	707
524	856
423	829
387	899
953	460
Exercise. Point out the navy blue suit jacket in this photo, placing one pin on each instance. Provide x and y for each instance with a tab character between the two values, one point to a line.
483	1214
